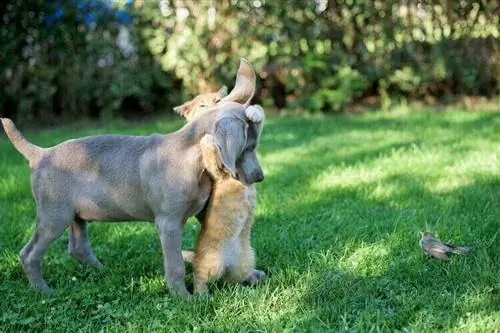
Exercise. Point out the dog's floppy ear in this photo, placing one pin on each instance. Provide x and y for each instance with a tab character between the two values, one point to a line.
230	137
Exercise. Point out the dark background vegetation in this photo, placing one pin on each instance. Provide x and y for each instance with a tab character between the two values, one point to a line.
67	60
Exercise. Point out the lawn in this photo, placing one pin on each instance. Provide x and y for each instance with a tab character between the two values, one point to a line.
337	231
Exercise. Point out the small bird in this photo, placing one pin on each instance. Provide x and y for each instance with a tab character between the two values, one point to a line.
436	248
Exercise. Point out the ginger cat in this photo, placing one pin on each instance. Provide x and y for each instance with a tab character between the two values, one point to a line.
223	248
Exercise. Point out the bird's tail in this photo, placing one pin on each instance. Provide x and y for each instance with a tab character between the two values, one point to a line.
32	153
463	250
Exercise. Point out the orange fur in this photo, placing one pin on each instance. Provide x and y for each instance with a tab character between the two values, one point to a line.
189	109
223	248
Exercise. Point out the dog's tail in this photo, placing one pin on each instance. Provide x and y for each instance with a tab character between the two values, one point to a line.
32	153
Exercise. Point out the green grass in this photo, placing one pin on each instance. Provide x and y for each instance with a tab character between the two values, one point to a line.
336	229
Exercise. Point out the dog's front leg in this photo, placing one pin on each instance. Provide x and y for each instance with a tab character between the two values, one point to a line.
170	231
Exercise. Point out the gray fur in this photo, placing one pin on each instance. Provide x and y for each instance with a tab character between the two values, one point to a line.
158	178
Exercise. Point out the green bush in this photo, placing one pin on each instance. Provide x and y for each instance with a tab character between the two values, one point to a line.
313	55
344	87
70	70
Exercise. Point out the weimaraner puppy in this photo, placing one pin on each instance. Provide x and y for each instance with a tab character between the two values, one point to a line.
158	178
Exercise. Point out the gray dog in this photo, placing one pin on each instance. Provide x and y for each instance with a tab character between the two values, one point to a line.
156	178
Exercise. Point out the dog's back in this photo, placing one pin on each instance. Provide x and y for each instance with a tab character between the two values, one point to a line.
105	176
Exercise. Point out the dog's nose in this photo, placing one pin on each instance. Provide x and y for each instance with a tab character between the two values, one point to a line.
259	176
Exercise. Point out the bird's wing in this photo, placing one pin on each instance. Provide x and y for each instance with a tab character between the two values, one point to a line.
451	246
438	253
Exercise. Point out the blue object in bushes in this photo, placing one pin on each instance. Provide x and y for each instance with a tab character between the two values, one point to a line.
92	12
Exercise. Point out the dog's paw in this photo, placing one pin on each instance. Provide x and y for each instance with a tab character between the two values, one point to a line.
208	141
255	113
180	293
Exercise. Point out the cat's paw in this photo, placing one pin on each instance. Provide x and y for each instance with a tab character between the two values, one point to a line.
256	277
255	113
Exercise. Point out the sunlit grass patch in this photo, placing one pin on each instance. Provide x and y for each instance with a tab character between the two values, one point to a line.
368	259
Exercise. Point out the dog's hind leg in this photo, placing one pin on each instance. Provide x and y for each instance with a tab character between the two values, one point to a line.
79	246
48	228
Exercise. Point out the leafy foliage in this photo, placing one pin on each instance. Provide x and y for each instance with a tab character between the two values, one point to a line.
64	58
59	60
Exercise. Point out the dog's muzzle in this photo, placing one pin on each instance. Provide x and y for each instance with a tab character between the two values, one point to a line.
254	177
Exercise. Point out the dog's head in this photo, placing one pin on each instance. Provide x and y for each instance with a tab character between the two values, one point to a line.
237	128
236	138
